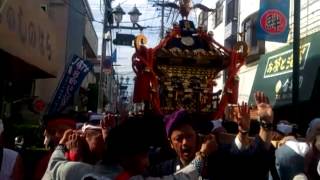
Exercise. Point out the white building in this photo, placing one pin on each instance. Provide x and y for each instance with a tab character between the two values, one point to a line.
233	16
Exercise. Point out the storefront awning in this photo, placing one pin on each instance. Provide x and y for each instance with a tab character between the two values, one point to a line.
27	33
274	73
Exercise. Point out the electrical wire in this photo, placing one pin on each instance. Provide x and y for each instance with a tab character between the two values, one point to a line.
80	12
147	19
101	22
123	2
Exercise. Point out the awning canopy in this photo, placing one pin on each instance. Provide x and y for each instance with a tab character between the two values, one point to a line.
16	69
274	73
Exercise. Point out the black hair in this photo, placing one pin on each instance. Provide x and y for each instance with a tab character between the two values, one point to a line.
126	140
198	122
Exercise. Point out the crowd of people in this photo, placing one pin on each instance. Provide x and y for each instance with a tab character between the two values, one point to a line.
178	146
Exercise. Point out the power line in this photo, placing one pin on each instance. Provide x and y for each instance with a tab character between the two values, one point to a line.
147	19
123	2
80	12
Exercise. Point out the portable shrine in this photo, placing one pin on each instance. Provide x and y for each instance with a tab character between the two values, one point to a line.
180	71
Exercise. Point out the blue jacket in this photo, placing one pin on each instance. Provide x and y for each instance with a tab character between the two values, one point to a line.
288	162
253	163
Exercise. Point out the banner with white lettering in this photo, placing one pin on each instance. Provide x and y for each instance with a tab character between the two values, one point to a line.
70	82
273	20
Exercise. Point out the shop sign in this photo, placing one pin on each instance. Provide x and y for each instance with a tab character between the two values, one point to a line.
274	72
26	33
273	18
70	82
283	63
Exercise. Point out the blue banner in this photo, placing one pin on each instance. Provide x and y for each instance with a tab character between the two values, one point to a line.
273	20
70	82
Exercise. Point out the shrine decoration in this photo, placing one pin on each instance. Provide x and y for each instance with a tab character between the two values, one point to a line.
180	72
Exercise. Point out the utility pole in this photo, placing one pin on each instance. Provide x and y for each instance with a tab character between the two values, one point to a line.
162	20
106	37
296	59
106	18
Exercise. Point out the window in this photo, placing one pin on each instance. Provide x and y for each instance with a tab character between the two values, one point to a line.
230	12
249	29
250	33
213	19
203	20
219	14
256	47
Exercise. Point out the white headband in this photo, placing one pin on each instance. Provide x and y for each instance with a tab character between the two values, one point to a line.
89	126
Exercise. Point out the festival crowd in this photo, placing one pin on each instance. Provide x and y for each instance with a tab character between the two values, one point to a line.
179	146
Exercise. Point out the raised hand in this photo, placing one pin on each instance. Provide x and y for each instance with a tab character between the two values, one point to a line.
243	117
265	111
209	145
65	136
265	114
77	146
73	143
107	123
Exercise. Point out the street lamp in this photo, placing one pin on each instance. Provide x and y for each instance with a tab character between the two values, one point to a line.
118	14
134	18
134	15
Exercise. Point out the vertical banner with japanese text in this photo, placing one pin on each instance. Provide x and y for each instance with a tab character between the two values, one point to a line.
273	20
70	81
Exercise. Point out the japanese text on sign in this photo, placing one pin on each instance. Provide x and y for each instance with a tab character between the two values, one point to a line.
273	21
283	63
71	81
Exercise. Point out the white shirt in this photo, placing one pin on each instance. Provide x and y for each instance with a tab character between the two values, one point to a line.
300	148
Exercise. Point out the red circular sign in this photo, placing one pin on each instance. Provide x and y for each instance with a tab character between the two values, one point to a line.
273	21
39	105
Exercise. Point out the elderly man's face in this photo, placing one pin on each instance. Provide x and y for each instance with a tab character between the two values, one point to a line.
184	141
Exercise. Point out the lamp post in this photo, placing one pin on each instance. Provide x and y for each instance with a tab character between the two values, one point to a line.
117	14
106	22
134	18
134	15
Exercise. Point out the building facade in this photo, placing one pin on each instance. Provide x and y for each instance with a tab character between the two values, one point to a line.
38	39
234	16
